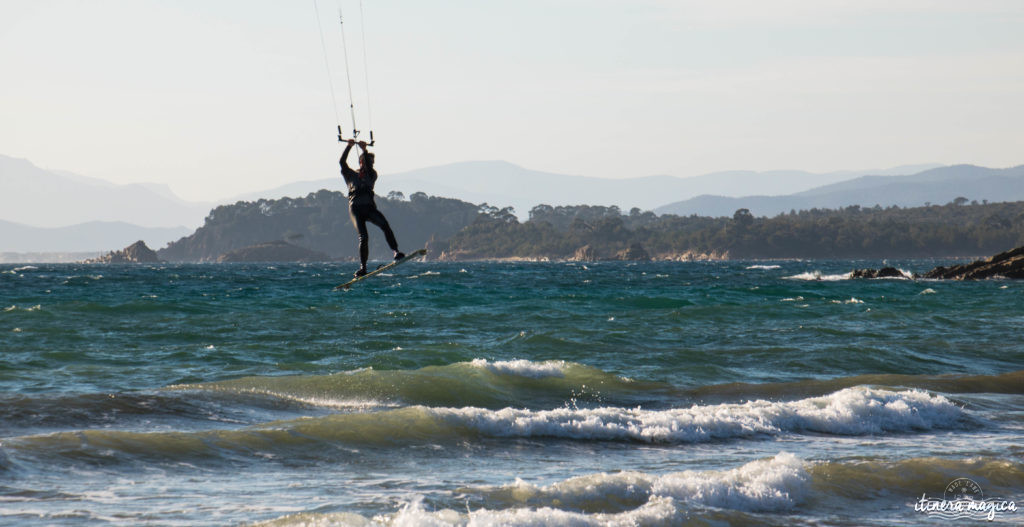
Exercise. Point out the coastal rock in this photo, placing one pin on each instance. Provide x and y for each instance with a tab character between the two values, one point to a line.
697	256
634	252
137	252
585	254
885	272
276	251
1009	264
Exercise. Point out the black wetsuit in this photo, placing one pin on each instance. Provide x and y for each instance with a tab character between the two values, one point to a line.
362	208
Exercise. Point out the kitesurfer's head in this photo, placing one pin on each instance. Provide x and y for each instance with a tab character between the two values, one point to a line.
366	159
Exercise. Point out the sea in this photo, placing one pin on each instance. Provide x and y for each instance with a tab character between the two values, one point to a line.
778	393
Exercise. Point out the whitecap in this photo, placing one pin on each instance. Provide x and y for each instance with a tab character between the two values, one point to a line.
658	511
766	485
817	276
765	267
37	307
928	291
523	367
852	411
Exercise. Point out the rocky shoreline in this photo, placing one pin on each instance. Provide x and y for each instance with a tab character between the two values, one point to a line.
586	253
1008	264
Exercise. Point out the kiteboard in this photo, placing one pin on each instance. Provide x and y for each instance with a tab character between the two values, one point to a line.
381	269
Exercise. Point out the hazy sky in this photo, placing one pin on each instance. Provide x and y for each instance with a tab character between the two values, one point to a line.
220	97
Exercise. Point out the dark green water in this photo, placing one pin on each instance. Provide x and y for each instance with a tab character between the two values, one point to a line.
776	393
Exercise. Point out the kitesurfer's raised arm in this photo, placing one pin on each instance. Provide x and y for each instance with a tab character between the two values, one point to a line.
346	171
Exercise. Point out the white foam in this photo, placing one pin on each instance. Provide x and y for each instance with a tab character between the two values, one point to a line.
36	307
817	276
658	511
928	291
853	411
765	267
767	485
523	367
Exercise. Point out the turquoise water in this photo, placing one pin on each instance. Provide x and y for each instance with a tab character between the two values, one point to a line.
759	393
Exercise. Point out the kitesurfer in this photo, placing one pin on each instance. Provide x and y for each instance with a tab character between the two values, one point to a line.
361	207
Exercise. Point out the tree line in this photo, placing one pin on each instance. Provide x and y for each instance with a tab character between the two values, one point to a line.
954	229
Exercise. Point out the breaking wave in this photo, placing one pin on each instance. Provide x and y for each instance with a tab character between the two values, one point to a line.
742	495
852	411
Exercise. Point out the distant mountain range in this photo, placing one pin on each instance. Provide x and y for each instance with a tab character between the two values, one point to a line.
51	198
94	236
937	186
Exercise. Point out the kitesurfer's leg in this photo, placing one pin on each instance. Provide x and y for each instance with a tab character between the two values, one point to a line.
359	219
379	220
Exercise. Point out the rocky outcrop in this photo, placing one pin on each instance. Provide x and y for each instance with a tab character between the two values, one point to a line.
585	254
696	256
276	251
885	272
634	252
1009	264
137	252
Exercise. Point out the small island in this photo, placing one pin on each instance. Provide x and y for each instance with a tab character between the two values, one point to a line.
137	252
